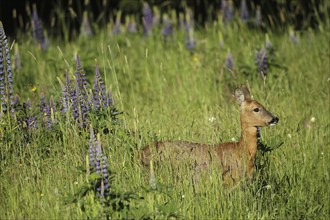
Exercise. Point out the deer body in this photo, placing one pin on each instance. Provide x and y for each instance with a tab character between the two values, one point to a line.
236	159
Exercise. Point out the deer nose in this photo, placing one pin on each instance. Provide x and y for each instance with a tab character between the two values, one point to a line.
273	121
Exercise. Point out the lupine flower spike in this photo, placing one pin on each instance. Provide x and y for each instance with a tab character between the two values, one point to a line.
66	90
117	26
6	76
227	10
81	78
223	8
42	105
38	33
81	102
190	40
45	112
30	121
99	165
262	62
244	11
75	105
131	25
100	97
167	27
96	89
147	18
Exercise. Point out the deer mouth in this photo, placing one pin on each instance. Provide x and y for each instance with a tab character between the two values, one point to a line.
273	122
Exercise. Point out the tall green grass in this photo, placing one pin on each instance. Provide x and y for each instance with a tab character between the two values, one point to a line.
168	93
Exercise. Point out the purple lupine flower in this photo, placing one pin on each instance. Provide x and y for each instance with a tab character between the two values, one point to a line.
117	26
6	77
85	28
68	93
42	105
100	98
79	108
91	150
84	112
258	16
82	102
223	7
190	40
2	72
17	100
66	90
98	164
131	25
227	10
96	90
30	121
229	61
45	111
244	11
147	18
109	100
10	83
105	175
75	104
258	132
82	85
2	86
48	110
81	72
262	62
37	30
167	27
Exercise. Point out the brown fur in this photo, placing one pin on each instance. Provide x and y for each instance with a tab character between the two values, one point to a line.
236	159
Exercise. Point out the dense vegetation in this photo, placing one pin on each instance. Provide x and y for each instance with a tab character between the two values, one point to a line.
75	114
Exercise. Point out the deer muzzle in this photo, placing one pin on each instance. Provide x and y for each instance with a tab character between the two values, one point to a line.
274	121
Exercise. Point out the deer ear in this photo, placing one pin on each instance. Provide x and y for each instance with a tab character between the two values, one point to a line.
242	94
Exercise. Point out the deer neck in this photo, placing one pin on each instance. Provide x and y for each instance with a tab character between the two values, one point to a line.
248	140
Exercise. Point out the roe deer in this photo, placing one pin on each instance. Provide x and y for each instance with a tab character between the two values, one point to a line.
236	159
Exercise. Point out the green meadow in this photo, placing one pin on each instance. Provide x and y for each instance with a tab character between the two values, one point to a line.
166	92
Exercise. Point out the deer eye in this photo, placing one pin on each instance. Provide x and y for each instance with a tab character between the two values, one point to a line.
256	109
